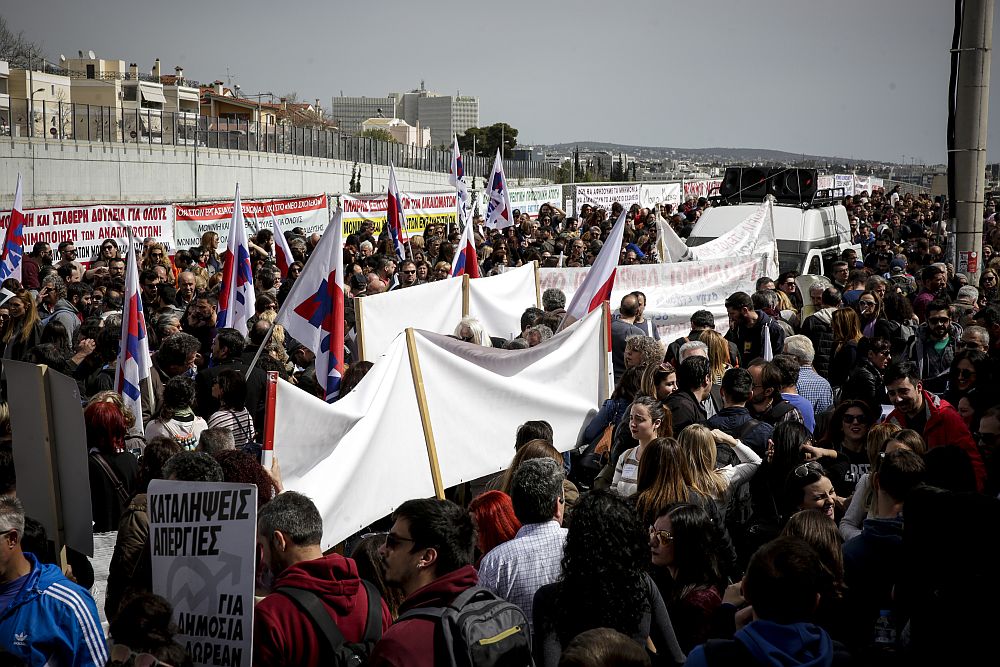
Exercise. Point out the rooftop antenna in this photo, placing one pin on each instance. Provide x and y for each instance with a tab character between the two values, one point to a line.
90	54
80	51
62	58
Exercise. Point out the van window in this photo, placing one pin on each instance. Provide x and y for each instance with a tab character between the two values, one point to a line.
815	266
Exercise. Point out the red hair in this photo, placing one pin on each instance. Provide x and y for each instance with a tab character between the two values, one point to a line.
493	514
105	427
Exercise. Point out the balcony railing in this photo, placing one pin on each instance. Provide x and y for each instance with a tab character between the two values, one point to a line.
67	121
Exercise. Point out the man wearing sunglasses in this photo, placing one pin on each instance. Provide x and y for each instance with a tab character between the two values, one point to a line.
933	348
933	418
289	535
46	618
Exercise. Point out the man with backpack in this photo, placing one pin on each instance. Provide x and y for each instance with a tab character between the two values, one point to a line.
446	619
734	419
320	612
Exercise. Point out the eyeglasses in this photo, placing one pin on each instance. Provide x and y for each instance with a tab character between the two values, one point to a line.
123	656
969	344
410	272
939	320
392	541
882	353
810	468
667	368
661	537
851	419
867	304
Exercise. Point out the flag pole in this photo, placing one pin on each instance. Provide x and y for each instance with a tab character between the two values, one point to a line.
263	344
425	421
538	286
465	295
359	328
267	455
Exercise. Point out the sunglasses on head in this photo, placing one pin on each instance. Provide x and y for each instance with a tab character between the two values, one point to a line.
810	468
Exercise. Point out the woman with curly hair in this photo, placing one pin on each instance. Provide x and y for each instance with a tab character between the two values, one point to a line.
685	542
239	467
642	351
604	584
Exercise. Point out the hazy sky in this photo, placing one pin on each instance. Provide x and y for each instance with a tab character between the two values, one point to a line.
852	78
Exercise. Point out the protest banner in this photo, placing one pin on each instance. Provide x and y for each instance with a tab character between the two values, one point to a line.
862	184
528	200
421	209
309	213
701	188
845	181
675	290
361	457
88	226
498	301
824	182
603	196
651	194
202	538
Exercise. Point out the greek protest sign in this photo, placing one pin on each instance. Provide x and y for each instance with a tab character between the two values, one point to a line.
309	213
603	196
702	188
88	226
528	200
203	542
845	181
652	194
421	210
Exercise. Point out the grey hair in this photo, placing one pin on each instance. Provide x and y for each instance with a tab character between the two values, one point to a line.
649	347
215	440
982	333
763	299
11	515
820	284
365	244
294	515
968	292
536	487
692	347
801	348
553	299
543	330
875	281
57	284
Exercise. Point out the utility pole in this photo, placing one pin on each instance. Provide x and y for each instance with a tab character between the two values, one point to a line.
971	112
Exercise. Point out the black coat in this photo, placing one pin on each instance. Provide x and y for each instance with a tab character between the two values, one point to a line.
256	390
685	408
865	384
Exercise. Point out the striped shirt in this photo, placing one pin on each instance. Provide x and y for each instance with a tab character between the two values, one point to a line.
238	422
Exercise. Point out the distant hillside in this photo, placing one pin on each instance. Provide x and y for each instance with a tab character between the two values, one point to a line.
725	154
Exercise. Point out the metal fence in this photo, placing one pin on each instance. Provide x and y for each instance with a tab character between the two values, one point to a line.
70	121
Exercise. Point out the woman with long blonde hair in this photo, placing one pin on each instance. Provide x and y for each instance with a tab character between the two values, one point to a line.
846	334
718	354
23	330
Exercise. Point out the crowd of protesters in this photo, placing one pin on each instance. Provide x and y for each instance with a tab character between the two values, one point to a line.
739	499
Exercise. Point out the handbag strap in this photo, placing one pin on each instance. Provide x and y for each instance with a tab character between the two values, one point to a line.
109	471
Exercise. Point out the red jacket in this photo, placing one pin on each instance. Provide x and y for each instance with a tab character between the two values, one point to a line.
284	635
945	427
410	643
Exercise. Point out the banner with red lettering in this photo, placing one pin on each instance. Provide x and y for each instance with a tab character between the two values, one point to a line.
702	188
88	226
422	209
309	213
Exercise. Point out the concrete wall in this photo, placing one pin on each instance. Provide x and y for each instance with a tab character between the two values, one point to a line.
55	173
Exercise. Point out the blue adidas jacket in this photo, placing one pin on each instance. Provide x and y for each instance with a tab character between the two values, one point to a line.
53	621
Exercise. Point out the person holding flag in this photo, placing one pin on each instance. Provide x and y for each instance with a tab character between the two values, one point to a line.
282	253
395	216
499	212
13	242
313	312
600	280
236	298
134	362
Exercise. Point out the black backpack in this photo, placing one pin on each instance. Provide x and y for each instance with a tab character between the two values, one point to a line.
337	651
478	629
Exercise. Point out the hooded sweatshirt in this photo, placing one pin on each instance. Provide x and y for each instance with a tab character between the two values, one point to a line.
411	642
284	635
781	645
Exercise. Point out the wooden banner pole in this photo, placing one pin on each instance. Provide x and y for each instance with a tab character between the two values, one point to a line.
425	418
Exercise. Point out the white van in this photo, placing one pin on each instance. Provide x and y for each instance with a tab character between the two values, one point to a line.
808	238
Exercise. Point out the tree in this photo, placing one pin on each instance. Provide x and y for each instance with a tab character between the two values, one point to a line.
378	133
17	50
486	140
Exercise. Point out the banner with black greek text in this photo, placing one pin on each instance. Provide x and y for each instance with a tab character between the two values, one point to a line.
309	213
203	542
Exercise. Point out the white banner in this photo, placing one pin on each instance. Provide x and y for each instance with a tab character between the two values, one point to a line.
88	226
435	306
361	457
651	194
862	184
202	537
845	181
498	301
422	209
309	213
603	196
528	200
673	291
824	182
